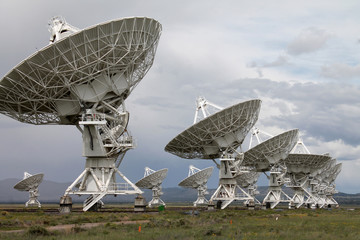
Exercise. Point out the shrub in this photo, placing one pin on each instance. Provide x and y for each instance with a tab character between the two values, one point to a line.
37	231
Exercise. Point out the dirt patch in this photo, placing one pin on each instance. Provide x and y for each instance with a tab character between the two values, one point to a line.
68	227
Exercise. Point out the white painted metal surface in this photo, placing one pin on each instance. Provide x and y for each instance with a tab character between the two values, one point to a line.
153	180
30	183
218	136
82	78
247	180
210	137
197	179
90	68
267	156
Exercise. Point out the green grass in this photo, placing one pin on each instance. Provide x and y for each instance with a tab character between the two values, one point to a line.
173	223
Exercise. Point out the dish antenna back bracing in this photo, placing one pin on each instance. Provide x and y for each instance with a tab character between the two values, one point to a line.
267	156
153	180
324	186
30	183
247	180
82	78
301	166
198	179
218	136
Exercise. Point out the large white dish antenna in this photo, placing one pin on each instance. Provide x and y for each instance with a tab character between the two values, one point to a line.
30	183
268	153
247	179
197	179
305	163
208	138
83	78
102	63
153	180
332	174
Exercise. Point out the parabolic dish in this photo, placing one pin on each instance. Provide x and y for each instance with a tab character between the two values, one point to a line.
30	182
305	163
269	152
318	172
247	179
197	179
152	180
332	174
101	63
209	137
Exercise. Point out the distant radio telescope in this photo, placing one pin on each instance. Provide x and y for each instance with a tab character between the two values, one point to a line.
197	179
30	183
153	180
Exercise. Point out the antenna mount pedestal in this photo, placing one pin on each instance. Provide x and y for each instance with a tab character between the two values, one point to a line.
228	189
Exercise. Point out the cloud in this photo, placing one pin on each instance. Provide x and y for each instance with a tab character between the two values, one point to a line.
341	71
309	40
279	61
328	111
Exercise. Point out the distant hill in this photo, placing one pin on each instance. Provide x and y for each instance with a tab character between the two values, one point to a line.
50	192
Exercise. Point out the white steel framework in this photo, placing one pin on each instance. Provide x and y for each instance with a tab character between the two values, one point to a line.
218	136
210	137
82	78
153	180
30	183
267	156
197	179
247	180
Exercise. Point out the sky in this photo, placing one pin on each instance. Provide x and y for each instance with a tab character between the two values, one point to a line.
301	58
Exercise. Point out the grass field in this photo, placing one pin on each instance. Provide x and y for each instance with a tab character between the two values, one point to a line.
119	222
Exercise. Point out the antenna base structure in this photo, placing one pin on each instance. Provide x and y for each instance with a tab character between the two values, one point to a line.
329	192
252	191
228	189
299	183
30	183
156	193
300	197
275	194
33	198
105	142
197	179
153	180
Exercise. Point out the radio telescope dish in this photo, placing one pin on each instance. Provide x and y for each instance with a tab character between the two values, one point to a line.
334	172
153	180
208	138
247	179
83	78
305	163
30	184
267	156
197	179
300	166
268	153
323	186
85	69
218	135
330	185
